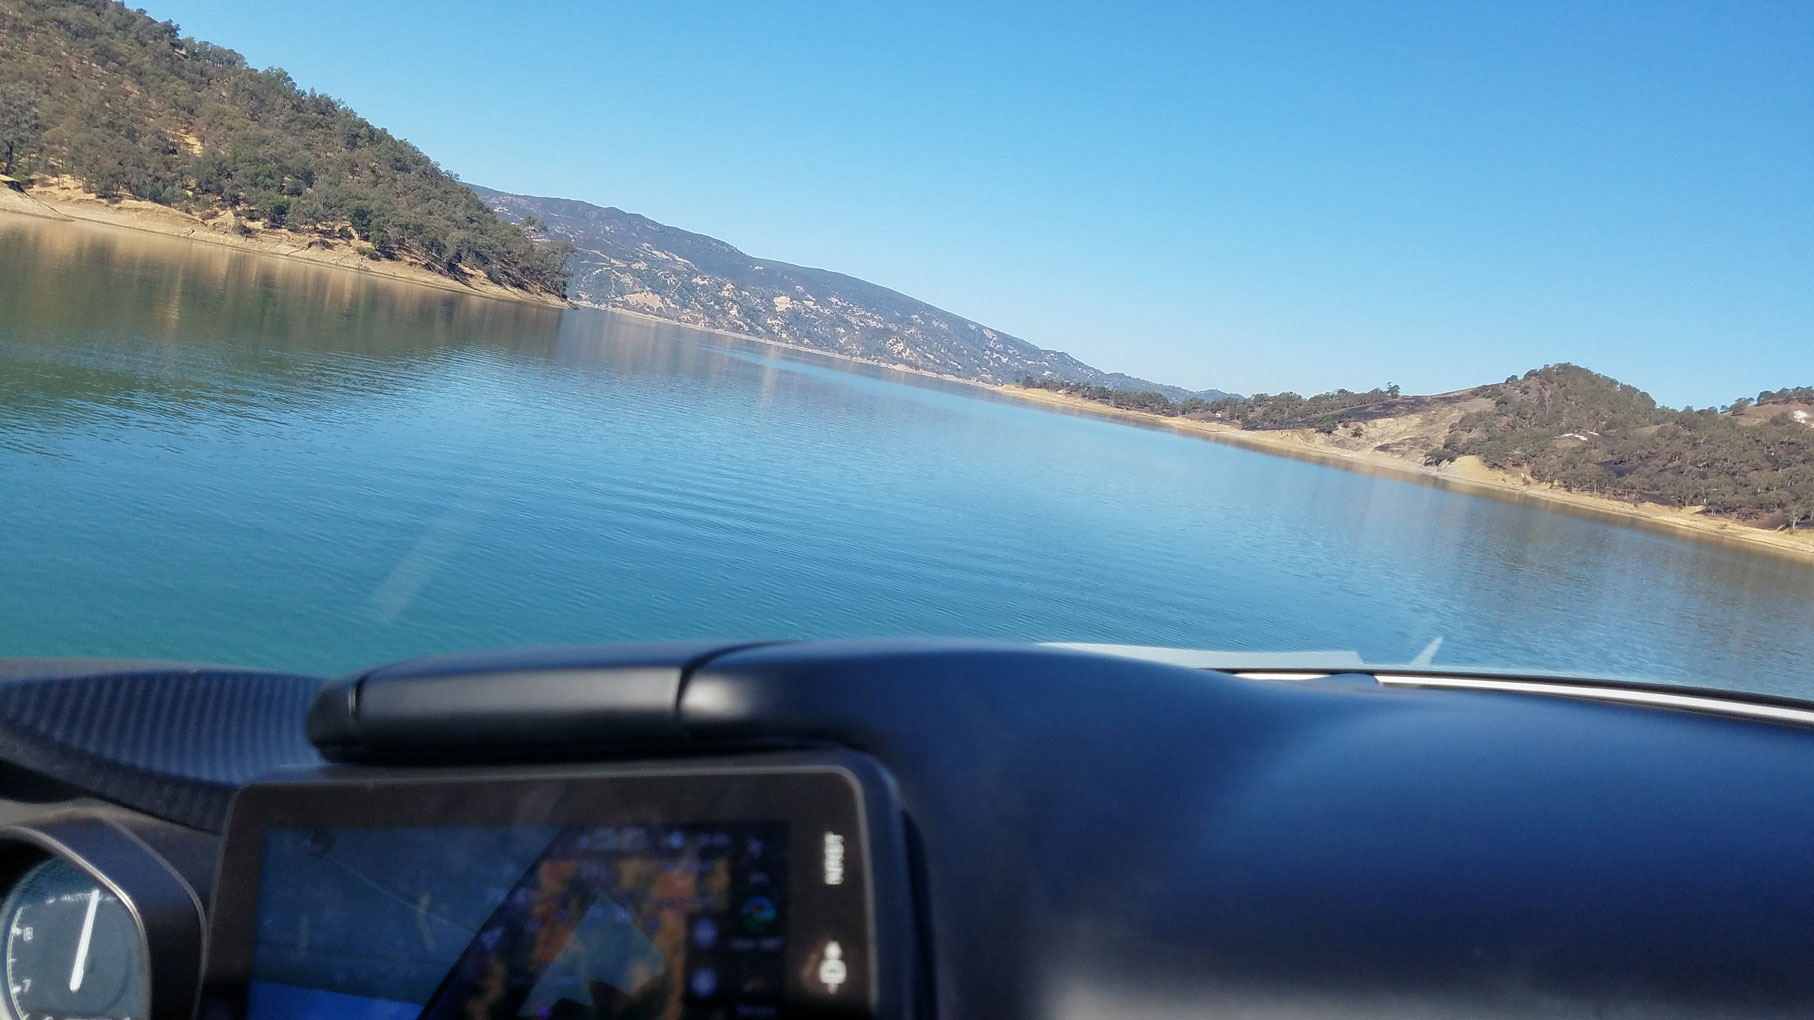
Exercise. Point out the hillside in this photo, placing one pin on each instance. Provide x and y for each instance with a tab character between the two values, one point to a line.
625	261
1587	433
101	102
1561	426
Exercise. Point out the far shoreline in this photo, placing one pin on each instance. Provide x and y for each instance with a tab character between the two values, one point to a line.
1467	475
784	345
52	205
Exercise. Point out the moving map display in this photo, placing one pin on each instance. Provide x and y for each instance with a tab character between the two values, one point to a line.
497	923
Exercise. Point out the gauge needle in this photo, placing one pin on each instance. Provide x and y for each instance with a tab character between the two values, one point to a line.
75	973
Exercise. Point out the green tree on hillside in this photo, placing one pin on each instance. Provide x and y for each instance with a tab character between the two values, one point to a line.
1588	433
20	124
1573	428
1787	395
1132	400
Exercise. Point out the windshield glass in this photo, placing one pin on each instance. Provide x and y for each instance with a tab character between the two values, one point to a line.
278	389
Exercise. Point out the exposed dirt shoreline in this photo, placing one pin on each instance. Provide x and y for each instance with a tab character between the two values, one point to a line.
1468	474
56	200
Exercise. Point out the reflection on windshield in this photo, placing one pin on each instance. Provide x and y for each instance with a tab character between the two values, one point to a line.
326	475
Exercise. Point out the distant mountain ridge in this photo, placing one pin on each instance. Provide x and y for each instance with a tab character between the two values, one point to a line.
625	261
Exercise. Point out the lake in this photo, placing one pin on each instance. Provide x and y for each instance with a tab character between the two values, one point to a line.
211	455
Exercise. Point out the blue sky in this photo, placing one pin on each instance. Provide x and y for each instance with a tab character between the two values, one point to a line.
1254	197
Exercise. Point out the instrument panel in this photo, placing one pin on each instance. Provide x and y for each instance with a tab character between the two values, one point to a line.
102	920
1071	836
74	951
678	891
707	888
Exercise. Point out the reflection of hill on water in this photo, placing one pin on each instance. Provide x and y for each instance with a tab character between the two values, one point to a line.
92	313
95	316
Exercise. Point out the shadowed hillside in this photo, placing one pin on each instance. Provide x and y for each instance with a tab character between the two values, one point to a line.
101	99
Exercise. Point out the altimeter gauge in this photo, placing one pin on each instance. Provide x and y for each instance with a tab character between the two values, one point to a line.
73	950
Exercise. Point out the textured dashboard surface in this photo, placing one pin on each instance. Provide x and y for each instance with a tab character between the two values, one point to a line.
1093	836
170	739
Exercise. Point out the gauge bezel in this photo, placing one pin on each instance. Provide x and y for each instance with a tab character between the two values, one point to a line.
165	910
135	1006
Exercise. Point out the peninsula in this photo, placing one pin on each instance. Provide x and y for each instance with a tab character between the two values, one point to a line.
1560	435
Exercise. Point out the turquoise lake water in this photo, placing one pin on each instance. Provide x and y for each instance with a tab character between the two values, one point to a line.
206	455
